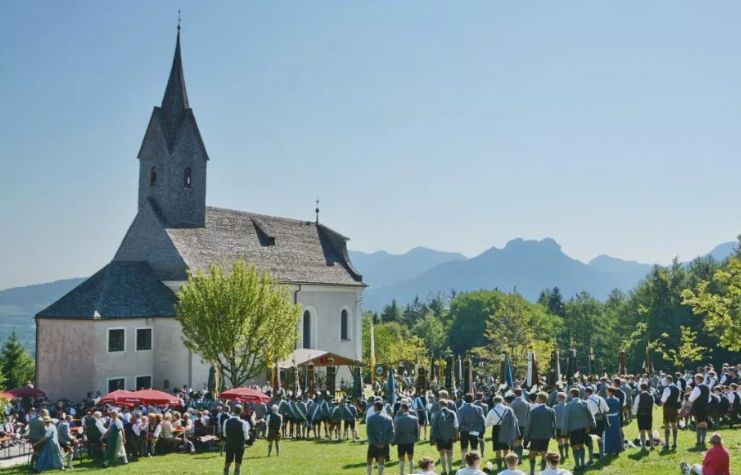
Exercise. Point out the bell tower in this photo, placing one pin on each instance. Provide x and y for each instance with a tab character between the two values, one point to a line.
172	157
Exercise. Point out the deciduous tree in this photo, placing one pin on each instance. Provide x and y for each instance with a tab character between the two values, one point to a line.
239	321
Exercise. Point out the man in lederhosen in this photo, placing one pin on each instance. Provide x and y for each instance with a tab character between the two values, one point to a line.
700	397
671	399
236	432
643	409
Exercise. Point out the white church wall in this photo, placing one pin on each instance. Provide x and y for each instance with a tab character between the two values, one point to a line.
325	303
128	364
64	359
174	364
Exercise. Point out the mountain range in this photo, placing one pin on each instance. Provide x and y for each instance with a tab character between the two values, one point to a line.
527	266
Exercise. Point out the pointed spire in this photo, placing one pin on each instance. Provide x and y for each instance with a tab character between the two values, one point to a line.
176	96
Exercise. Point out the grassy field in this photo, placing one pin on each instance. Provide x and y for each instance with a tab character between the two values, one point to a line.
328	458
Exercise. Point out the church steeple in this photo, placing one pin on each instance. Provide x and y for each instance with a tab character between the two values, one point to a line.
175	100
172	157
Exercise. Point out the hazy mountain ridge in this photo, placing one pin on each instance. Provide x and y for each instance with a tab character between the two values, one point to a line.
527	266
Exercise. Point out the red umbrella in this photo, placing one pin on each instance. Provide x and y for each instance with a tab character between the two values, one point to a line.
118	396
151	396
27	392
6	395
245	395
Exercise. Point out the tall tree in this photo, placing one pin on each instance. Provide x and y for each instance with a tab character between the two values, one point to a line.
553	301
518	326
239	321
719	301
391	312
16	365
469	312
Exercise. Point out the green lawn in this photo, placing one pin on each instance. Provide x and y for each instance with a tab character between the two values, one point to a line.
323	457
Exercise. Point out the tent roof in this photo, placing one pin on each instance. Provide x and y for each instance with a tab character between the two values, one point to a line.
305	357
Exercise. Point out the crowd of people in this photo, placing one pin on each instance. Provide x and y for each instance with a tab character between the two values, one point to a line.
585	416
581	419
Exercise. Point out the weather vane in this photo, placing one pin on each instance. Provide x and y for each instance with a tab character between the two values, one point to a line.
178	20
316	210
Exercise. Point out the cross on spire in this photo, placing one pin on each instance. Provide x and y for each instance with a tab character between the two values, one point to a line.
316	210
178	20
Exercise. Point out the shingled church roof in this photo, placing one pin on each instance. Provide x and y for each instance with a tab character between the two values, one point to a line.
121	289
291	250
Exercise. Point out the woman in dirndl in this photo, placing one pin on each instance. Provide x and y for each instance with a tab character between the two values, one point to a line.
114	438
613	438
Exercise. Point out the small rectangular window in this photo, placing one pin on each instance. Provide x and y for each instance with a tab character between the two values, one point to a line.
143	382
143	339
116	383
116	340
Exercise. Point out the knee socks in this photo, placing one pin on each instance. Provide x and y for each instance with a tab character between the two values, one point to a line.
566	451
643	441
674	436
561	451
411	466
226	471
518	451
703	432
532	466
380	468
450	462
590	446
368	469
667	431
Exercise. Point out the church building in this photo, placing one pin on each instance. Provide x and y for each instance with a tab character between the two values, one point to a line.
118	329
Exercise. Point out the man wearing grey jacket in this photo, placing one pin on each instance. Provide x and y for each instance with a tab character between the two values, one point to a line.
471	424
539	429
380	429
577	420
406	434
444	432
521	409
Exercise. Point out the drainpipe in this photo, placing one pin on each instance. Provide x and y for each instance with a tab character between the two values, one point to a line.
295	302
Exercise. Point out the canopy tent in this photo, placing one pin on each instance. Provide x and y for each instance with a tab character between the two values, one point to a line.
117	397
150	396
306	357
27	392
245	395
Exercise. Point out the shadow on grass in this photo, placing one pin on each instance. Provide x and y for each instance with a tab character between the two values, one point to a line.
643	453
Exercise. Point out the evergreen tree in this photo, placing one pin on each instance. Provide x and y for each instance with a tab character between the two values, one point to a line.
16	365
391	313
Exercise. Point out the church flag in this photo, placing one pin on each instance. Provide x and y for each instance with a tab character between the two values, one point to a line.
372	354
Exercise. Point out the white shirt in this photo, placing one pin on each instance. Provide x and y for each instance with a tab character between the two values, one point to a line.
494	417
245	427
472	471
512	472
597	404
668	392
100	426
555	471
696	393
157	431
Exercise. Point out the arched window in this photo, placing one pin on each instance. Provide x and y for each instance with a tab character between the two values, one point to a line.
187	177
307	329
344	325
153	176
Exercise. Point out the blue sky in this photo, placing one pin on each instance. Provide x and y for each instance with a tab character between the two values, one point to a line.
613	127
